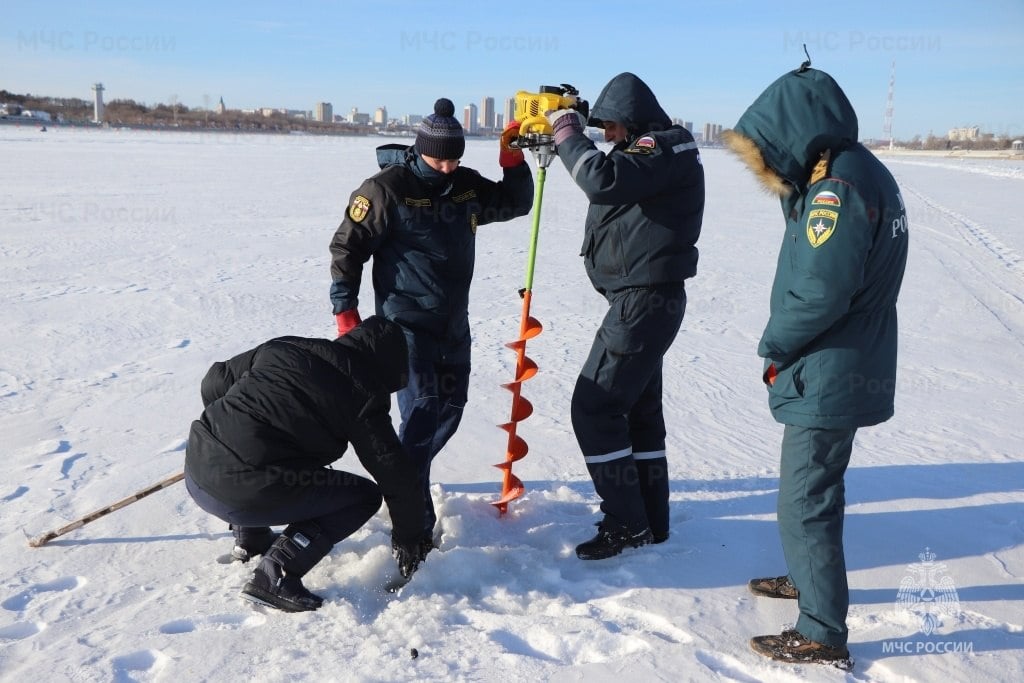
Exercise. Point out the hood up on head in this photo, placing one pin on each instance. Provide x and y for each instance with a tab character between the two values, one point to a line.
382	345
629	101
798	118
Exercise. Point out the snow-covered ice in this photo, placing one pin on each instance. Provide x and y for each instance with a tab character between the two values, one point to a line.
133	260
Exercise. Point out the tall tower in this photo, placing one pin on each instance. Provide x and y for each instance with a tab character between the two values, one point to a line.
469	119
487	113
97	105
510	109
887	123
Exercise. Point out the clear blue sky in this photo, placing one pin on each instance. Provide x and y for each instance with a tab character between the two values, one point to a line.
957	63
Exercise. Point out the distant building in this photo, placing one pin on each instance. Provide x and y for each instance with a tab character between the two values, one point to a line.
412	119
469	118
220	109
510	109
712	133
487	113
380	117
967	133
1017	145
361	118
97	107
323	111
37	115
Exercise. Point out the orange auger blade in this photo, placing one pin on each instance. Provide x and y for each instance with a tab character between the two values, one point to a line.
515	490
511	486
529	327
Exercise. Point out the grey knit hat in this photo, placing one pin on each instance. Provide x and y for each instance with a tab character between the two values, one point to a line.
440	134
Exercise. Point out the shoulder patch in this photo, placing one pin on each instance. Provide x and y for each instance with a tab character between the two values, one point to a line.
642	145
821	168
826	198
409	201
465	196
821	224
360	207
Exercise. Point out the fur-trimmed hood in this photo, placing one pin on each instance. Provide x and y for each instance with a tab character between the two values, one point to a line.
784	133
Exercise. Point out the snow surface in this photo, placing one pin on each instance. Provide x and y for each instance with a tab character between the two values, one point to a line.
133	260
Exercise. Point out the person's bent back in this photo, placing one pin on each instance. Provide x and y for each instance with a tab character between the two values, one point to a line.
275	417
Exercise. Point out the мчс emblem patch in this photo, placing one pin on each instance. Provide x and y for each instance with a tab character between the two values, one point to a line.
821	223
360	207
827	198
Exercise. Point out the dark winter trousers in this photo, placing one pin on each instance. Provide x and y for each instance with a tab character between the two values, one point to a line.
337	502
431	407
617	406
811	506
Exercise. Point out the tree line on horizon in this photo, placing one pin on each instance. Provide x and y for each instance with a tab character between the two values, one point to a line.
128	112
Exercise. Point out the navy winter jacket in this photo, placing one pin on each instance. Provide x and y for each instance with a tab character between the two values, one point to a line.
646	194
420	229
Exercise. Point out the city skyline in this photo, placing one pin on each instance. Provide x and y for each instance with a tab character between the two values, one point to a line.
956	65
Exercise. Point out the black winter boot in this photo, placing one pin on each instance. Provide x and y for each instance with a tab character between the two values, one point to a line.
277	581
610	541
793	647
251	541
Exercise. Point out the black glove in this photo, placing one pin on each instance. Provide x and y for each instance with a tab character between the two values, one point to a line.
583	107
409	555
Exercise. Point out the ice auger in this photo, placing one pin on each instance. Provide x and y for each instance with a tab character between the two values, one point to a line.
535	135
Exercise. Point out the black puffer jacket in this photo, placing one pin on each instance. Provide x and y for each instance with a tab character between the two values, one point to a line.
278	413
646	194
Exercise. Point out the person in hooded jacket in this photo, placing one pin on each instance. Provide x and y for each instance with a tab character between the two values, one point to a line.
275	417
639	247
417	219
829	346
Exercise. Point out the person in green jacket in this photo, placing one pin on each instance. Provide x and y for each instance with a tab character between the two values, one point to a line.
830	341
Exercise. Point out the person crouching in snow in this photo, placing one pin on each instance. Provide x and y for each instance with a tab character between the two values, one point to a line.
274	418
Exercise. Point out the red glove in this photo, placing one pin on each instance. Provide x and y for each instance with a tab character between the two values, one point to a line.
347	320
509	157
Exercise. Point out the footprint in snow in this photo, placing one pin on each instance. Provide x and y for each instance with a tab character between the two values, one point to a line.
216	622
20	631
143	662
19	602
18	493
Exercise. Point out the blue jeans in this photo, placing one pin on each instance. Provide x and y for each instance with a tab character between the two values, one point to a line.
431	407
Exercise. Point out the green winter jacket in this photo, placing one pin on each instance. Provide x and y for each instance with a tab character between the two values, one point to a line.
832	333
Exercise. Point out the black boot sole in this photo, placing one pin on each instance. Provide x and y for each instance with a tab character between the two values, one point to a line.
254	593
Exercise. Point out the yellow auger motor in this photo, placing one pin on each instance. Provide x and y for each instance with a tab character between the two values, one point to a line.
534	129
